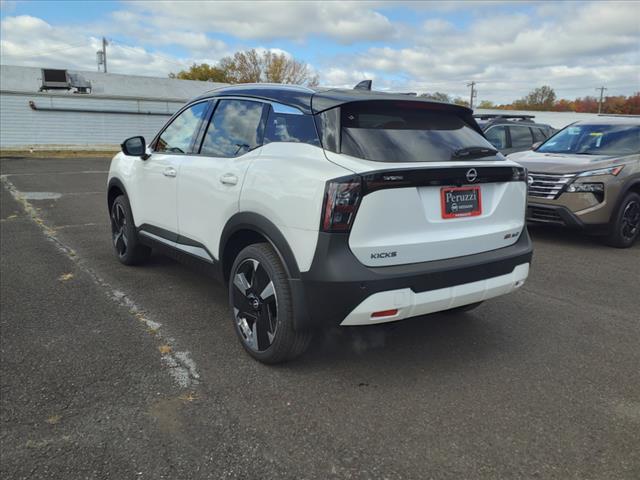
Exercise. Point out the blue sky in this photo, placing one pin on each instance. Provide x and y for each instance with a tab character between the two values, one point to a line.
508	48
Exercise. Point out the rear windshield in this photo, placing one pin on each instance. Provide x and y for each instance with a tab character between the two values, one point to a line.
595	140
384	133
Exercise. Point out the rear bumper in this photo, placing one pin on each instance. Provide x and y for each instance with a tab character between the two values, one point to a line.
406	303
337	283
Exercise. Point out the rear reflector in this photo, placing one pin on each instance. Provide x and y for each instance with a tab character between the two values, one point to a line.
384	313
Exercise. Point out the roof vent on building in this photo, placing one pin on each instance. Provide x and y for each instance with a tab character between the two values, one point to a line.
53	79
81	84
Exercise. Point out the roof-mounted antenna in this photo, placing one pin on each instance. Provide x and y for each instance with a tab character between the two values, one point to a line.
364	85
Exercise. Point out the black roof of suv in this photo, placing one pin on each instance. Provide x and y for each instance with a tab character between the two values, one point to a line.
318	99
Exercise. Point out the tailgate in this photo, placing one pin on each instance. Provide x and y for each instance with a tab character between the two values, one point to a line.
406	216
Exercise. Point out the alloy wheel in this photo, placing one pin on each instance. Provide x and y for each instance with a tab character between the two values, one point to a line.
119	229
255	305
631	220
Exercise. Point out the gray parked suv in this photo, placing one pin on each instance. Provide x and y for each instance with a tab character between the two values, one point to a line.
513	133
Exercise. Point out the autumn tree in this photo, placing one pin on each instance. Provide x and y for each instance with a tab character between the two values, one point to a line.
461	101
620	104
486	104
252	66
203	72
541	98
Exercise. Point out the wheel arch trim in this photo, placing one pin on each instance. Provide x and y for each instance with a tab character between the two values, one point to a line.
267	229
115	182
629	185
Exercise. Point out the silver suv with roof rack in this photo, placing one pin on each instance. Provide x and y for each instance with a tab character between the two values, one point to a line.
512	133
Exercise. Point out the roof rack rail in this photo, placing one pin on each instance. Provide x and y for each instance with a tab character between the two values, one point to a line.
499	116
618	115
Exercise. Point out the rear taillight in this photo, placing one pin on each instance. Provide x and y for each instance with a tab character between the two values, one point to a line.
341	200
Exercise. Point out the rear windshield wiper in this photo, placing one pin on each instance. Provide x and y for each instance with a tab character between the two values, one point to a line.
473	152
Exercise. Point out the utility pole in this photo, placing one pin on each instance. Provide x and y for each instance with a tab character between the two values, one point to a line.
473	93
104	53
602	89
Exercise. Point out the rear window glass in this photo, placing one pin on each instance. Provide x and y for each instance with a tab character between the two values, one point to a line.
497	136
520	137
538	134
286	127
388	133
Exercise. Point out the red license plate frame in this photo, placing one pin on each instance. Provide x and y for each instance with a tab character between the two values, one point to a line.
447	208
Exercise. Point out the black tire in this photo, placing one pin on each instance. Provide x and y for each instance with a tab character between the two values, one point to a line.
124	236
464	308
625	225
261	306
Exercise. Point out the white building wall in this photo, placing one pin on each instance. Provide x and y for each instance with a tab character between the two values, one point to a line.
152	100
22	127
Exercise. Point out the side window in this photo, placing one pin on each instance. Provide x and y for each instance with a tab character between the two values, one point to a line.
497	136
520	137
538	134
287	127
177	137
235	129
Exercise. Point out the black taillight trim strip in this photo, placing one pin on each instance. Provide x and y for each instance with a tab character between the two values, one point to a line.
436	177
419	177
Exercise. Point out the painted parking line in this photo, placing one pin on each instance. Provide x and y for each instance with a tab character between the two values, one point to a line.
179	362
81	172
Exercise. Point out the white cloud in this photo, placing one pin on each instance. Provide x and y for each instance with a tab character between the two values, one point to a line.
572	46
575	49
31	41
345	22
343	78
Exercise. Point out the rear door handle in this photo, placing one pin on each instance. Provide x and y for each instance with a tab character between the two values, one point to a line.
170	172
229	179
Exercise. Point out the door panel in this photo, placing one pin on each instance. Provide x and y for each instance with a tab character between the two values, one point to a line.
156	178
210	183
155	191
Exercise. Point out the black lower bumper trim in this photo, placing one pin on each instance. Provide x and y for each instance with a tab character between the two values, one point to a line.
337	282
543	214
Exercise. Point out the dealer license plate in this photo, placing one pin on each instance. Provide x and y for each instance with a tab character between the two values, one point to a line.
461	202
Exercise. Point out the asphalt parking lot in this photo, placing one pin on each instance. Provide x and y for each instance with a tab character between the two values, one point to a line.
110	371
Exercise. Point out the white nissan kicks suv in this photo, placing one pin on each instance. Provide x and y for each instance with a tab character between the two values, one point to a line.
324	207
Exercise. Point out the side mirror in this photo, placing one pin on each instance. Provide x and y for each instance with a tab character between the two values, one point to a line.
135	147
536	145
